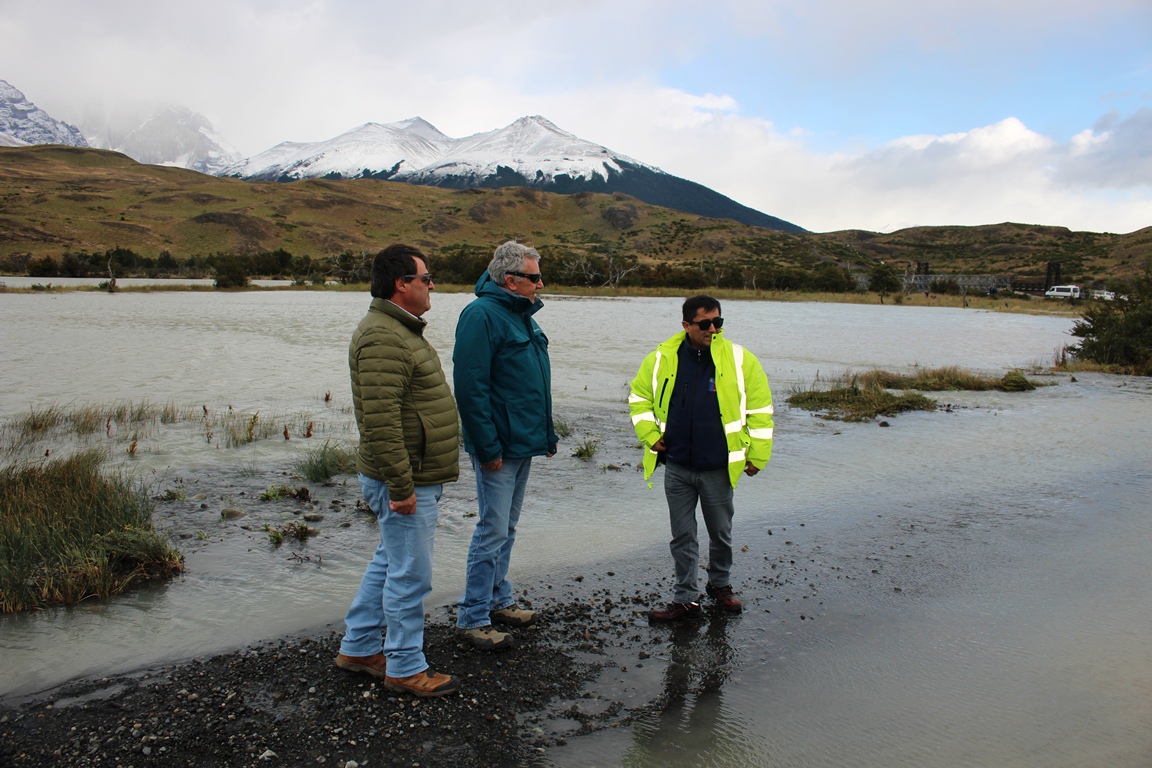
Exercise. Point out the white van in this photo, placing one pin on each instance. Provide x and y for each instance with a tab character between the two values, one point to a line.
1063	292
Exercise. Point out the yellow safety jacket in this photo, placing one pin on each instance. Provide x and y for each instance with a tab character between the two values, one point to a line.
741	387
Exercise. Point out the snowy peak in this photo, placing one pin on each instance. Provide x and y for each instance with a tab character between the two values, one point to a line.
418	126
23	121
373	149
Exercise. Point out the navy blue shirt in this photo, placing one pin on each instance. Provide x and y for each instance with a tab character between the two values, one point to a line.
695	434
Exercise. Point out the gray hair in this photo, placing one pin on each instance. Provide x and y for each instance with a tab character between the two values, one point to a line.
509	257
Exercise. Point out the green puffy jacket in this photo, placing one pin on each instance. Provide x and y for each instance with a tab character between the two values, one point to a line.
409	430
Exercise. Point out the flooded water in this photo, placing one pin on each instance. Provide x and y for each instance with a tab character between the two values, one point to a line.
978	576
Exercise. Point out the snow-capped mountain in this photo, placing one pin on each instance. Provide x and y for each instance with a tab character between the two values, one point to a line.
370	150
23	121
532	151
167	135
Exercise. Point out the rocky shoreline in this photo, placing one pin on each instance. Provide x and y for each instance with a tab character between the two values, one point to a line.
285	703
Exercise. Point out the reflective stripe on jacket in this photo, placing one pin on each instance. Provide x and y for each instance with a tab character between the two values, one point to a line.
741	387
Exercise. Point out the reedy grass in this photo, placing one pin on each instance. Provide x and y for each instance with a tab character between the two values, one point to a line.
319	464
71	532
947	378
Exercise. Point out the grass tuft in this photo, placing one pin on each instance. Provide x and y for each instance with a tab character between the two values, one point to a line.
70	532
322	462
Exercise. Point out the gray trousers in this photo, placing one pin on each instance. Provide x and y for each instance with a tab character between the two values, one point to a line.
713	490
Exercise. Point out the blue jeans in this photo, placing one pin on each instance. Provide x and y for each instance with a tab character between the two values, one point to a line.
394	585
683	487
499	494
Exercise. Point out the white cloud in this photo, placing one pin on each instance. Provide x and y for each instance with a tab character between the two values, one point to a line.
265	71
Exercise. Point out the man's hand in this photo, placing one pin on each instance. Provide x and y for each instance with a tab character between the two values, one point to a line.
406	507
750	469
659	446
493	466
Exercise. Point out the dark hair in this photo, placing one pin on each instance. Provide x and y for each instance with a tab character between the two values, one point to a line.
696	303
391	264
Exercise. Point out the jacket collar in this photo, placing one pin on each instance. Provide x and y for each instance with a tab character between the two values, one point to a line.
486	287
409	320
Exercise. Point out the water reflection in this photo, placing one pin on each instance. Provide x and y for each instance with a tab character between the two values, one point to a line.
690	724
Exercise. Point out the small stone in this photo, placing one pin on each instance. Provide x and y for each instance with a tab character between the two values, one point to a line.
231	513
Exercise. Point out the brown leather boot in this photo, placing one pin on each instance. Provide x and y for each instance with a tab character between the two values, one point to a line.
373	665
423	684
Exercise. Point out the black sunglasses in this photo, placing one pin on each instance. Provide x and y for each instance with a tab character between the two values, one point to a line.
534	277
426	277
707	323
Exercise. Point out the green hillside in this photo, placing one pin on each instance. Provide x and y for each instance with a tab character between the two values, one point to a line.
57	200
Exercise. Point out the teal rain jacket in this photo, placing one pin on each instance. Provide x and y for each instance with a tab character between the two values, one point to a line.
502	376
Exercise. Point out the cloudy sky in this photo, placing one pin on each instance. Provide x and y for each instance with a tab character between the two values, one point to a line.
832	114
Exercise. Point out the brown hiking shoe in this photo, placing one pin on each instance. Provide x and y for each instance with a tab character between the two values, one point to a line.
424	684
373	665
515	617
486	638
676	612
725	597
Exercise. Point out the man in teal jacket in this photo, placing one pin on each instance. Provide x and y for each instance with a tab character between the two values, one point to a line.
701	404
503	385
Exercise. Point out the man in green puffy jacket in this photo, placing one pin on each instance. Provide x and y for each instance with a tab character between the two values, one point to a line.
409	447
503	385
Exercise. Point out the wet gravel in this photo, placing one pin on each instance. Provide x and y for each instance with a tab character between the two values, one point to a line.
285	703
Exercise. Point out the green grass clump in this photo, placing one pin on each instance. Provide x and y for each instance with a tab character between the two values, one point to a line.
860	404
276	492
290	530
587	449
321	463
70	532
561	427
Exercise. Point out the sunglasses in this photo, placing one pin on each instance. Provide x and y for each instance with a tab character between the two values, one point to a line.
426	277
707	323
532	278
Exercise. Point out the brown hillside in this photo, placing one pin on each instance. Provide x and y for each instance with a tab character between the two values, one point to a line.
56	199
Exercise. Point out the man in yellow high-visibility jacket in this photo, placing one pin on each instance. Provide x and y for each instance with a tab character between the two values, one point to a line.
701	405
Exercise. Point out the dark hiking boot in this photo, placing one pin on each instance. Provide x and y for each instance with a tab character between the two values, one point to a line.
725	597
676	612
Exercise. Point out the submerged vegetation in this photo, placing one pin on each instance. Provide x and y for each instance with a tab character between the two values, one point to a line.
69	531
867	395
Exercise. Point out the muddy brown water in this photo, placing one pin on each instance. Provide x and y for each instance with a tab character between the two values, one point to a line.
962	588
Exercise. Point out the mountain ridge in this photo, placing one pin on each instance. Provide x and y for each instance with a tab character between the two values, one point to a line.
531	151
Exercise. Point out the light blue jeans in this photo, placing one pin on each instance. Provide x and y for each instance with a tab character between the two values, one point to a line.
499	495
399	577
684	487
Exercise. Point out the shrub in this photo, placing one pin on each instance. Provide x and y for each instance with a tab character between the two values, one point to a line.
1119	332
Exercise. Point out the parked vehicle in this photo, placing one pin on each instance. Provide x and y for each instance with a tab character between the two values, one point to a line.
1063	292
1106	295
